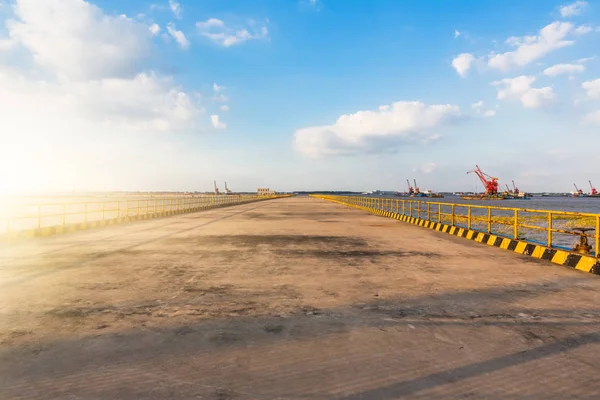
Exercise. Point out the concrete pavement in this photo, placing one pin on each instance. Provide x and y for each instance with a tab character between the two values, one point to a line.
294	298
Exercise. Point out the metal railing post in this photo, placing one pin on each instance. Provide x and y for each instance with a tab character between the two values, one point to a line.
550	229
419	210
469	217
598	236
516	225
453	220
439	213
411	207
489	220
428	212
403	212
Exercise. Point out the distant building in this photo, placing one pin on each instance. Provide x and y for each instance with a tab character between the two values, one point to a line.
265	192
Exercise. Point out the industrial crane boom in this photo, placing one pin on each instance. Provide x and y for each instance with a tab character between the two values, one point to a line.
490	183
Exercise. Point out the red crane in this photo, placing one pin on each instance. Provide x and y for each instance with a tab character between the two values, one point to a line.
410	188
489	182
594	191
417	190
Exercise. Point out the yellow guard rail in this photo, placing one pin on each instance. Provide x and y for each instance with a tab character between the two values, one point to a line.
547	227
45	219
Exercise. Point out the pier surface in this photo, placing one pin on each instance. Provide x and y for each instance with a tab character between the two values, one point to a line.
294	298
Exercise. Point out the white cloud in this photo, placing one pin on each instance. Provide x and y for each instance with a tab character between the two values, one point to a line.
532	48
224	107
178	36
593	117
376	131
584	60
561	69
456	33
428	168
218	32
92	44
220	98
583	29
217	123
154	29
175	7
519	88
477	106
84	102
572	9
6	45
462	63
217	88
592	88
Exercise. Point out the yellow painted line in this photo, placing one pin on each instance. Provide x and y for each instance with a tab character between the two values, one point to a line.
520	247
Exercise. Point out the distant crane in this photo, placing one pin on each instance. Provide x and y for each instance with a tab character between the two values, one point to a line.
417	190
515	188
227	189
594	191
578	191
490	183
411	191
216	188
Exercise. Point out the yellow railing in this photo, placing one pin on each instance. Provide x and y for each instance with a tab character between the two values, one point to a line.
19	217
548	227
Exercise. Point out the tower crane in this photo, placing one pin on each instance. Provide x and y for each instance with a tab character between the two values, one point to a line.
227	189
594	192
216	188
490	183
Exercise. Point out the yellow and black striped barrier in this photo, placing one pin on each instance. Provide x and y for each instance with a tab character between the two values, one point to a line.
582	262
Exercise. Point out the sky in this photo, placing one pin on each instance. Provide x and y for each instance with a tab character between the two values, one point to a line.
297	94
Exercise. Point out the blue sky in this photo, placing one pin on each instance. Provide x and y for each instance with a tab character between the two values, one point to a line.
354	95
